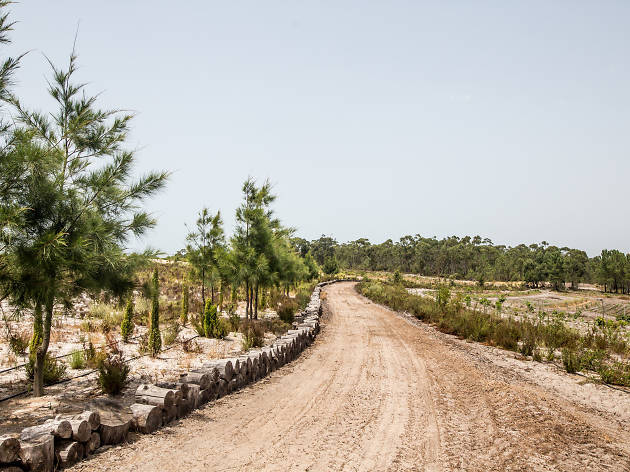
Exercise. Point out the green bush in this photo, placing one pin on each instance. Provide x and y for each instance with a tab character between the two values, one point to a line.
331	266
126	327
170	333
155	339
286	310
18	343
253	334
113	372
53	369
210	320
77	360
570	360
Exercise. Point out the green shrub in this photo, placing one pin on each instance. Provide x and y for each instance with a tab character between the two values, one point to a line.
93	357
286	310
155	339
223	328
170	333
126	327
53	369
210	320
77	360
18	343
570	360
331	266
253	334
112	373
234	320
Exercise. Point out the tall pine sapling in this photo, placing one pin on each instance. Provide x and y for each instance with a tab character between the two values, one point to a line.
183	317
155	339
210	320
126	327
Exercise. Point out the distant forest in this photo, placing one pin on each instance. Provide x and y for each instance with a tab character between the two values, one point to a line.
476	258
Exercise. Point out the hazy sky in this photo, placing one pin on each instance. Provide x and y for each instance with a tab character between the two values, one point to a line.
373	119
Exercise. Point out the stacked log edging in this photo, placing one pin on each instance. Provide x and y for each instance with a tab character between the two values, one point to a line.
61	442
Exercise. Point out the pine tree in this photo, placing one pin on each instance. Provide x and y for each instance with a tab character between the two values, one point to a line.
126	327
155	340
183	317
38	329
210	320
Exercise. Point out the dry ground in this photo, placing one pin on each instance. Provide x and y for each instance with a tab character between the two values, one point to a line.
377	392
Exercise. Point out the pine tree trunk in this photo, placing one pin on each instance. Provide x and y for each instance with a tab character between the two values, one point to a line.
212	292
256	303
246	300
203	288
38	380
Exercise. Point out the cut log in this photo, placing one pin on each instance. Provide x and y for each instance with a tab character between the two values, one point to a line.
209	394
68	453
81	430
153	395
193	395
37	453
9	449
92	417
224	367
116	420
169	414
146	418
183	407
93	443
180	389
234	384
222	389
59	428
210	370
198	378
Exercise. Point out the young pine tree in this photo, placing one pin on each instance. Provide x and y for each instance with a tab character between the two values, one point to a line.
155	340
126	327
210	320
183	317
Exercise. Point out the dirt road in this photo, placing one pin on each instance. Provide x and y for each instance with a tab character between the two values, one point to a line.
376	392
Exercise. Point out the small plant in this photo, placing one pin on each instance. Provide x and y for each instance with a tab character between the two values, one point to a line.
253	335
113	372
18	342
443	296
397	278
126	327
155	340
331	266
210	320
233	318
570	360
77	360
190	345
286	310
53	369
170	333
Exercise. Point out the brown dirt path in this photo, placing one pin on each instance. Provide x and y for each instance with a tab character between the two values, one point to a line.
377	393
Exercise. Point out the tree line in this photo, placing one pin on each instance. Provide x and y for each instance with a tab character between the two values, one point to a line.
476	258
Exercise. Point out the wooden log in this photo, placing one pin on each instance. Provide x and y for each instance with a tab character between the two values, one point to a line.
153	395
183	407
146	418
193	395
198	378
209	370
68	452
224	367
169	414
116	420
234	386
179	386
81	430
93	443
222	389
37	452
9	449
10	468
59	428
92	417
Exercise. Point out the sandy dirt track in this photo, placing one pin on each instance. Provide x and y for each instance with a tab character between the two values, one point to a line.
375	392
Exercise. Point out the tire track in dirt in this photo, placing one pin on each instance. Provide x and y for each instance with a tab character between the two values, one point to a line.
375	392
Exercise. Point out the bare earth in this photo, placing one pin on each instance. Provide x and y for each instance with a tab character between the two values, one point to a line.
377	392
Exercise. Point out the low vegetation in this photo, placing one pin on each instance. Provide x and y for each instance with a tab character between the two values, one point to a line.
602	350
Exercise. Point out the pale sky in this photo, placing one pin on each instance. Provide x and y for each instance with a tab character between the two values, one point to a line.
373	119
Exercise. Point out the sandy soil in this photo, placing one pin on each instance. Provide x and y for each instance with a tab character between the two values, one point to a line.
378	392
